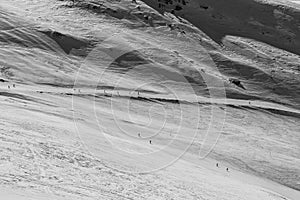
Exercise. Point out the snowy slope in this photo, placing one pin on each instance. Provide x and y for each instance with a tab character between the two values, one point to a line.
91	76
246	27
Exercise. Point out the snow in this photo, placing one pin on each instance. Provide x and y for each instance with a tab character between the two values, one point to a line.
88	80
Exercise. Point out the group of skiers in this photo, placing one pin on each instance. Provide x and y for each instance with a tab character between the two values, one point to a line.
227	169
150	142
13	85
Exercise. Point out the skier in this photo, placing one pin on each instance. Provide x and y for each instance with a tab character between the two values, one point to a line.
217	165
227	169
150	142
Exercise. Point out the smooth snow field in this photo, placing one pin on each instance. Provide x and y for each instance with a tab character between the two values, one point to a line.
170	99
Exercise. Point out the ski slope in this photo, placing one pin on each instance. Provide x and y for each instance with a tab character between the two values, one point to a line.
84	87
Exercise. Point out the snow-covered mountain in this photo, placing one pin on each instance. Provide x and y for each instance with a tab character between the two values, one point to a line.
152	99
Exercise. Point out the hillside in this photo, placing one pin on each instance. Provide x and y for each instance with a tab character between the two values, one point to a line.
123	100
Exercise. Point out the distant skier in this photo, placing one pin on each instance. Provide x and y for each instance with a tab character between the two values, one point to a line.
139	135
8	87
227	169
14	85
150	141
217	165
